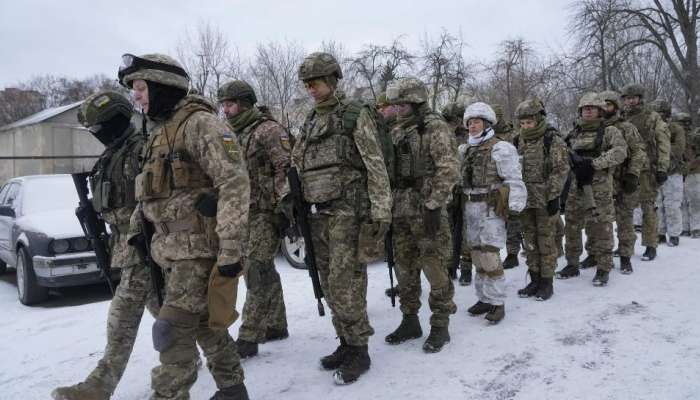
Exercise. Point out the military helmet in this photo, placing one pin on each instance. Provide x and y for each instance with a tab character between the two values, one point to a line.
155	68
480	110
406	90
661	106
236	90
529	108
591	99
683	118
103	106
613	97
453	111
633	89
318	65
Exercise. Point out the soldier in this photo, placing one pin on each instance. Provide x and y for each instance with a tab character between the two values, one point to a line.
625	180
595	150
107	116
686	122
492	188
426	172
670	194
266	150
186	165
545	167
692	183
657	141
343	175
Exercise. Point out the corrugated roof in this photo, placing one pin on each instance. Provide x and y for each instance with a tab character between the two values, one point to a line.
41	116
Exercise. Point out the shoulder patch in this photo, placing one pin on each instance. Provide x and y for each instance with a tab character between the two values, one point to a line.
231	146
101	101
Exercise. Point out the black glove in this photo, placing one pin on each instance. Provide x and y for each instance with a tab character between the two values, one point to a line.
661	177
431	221
206	204
553	206
630	183
584	171
230	270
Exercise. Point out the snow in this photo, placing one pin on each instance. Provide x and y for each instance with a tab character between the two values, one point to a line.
637	338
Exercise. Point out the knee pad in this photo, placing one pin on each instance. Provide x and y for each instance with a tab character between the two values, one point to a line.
163	335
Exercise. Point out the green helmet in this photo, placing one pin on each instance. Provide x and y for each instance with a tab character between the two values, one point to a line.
453	112
406	90
155	68
683	118
236	90
529	108
591	99
633	89
318	65
613	97
662	107
103	106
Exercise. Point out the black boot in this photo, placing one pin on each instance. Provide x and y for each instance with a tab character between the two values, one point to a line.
356	363
625	265
662	239
545	290
567	272
272	334
236	392
465	276
246	349
335	359
479	308
600	278
649	254
438	337
673	241
388	292
409	328
496	314
531	288
511	261
589	262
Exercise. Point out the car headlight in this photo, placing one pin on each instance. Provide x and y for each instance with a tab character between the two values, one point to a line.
59	246
80	244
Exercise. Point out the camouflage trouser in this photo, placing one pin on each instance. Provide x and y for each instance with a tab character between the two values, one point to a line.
486	235
598	226
514	234
692	189
647	200
668	206
414	253
185	312
131	296
264	303
343	277
684	207
540	244
465	260
625	204
490	280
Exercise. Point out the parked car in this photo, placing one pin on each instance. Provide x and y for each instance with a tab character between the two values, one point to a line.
41	237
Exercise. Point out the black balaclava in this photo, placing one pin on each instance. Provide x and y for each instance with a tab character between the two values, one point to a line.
162	99
110	131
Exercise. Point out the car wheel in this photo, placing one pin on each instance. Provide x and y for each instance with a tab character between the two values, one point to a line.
28	290
294	251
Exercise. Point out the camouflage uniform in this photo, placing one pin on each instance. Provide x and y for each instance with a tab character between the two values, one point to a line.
265	146
656	138
186	158
605	148
692	183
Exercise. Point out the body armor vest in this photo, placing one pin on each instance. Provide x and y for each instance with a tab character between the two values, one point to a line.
587	143
413	160
479	168
644	123
260	169
537	163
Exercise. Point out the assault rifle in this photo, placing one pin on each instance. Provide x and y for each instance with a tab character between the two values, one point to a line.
457	234
142	244
302	209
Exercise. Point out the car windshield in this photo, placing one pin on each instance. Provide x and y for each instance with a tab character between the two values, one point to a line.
48	194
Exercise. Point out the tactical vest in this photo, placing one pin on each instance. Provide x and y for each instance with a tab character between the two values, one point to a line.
112	178
168	166
586	145
537	163
479	168
413	160
260	169
645	125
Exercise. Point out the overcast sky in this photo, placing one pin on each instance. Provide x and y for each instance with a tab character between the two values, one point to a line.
77	38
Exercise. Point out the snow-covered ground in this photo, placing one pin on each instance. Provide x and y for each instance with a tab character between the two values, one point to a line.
637	338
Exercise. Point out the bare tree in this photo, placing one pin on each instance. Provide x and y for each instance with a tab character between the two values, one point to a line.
437	57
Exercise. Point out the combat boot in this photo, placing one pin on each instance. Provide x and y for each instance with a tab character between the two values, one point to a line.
662	239
439	336
649	254
496	314
272	334
356	363
408	329
567	272
479	308
511	261
695	234
589	262
465	277
531	288
235	392
673	241
246	349
81	391
625	265
600	278
392	292
545	290
335	359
